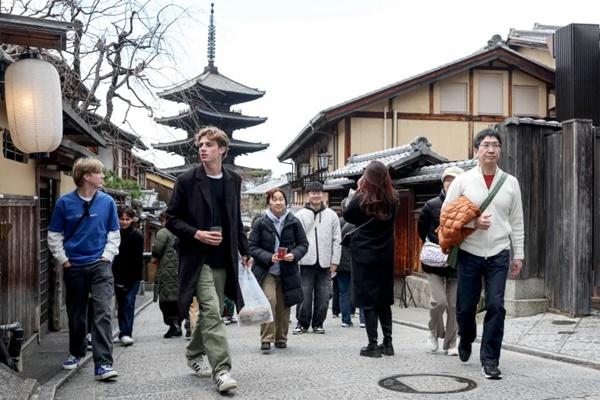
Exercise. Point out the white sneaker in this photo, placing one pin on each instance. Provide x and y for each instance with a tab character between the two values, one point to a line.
453	351
225	382
432	343
127	341
116	339
200	367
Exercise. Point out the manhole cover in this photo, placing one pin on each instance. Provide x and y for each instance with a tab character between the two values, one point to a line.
563	322
427	383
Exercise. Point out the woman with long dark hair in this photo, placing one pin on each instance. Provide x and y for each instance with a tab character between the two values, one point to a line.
373	211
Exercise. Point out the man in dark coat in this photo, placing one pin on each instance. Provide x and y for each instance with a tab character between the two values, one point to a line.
204	213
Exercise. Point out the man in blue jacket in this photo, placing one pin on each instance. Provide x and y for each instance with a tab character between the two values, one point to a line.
83	237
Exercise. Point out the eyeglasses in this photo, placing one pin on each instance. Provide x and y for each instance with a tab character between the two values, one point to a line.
487	146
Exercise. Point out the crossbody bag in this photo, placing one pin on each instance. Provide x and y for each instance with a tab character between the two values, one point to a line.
453	256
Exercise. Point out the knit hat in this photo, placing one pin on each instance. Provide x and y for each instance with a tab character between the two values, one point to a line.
314	186
452	171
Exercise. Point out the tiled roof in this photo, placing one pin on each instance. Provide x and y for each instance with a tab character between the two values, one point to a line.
211	79
531	121
538	37
390	157
433	173
265	187
337	183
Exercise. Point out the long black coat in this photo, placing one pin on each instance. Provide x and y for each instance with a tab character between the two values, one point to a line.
372	250
262	243
129	263
190	209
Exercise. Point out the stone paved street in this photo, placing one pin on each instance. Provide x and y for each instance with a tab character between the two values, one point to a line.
324	367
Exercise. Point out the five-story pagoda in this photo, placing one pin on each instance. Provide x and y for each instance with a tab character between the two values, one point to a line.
209	98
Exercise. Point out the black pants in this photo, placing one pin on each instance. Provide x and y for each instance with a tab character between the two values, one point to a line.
316	287
494	271
170	312
84	284
383	314
335	301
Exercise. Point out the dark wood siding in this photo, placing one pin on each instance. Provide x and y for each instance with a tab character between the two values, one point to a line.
405	235
19	262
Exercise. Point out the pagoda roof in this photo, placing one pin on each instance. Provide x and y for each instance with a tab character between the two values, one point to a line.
192	119
211	85
186	148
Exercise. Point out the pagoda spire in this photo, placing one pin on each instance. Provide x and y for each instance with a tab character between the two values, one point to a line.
211	38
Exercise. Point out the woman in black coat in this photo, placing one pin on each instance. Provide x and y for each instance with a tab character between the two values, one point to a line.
127	270
373	211
277	241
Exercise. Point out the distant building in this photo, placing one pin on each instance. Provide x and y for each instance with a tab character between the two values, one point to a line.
209	98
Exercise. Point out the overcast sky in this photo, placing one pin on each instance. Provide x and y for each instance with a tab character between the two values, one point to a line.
309	55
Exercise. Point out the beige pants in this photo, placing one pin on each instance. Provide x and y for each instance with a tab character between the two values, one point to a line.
443	299
277	330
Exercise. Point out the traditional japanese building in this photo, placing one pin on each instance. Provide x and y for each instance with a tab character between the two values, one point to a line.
209	98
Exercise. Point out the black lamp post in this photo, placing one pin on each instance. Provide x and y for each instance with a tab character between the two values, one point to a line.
323	160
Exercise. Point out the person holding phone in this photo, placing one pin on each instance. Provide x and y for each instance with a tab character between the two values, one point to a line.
204	213
277	242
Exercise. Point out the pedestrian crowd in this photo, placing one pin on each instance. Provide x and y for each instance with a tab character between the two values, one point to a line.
303	259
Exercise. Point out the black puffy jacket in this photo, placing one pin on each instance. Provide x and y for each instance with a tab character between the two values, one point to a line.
262	244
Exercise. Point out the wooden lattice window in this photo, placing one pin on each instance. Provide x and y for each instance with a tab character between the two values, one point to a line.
9	150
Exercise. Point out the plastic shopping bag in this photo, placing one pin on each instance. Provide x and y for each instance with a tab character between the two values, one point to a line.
257	309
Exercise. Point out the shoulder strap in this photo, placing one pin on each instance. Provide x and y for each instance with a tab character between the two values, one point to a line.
360	226
493	193
86	213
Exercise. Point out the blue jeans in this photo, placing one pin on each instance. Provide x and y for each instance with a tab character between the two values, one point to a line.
494	271
126	307
343	280
90	283
316	284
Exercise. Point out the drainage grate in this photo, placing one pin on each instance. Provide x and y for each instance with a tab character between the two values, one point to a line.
427	384
563	322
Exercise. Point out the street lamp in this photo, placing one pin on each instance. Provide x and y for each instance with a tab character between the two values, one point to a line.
323	161
289	176
33	105
305	169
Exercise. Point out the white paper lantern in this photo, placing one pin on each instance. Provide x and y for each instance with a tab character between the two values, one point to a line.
33	105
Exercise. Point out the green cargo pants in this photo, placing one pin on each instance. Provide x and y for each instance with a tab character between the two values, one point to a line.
209	338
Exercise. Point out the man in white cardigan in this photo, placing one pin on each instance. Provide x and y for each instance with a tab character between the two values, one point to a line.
322	228
485	253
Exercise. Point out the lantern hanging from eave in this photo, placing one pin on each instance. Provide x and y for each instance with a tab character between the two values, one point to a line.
33	105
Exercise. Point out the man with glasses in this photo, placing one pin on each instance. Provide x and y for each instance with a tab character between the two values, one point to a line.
83	237
485	253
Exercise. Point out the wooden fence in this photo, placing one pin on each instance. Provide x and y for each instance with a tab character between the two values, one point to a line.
556	169
19	262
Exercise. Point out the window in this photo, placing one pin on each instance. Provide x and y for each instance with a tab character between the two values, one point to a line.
9	150
453	98
525	100
490	93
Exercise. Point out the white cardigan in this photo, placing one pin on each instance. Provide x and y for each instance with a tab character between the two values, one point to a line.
326	232
506	210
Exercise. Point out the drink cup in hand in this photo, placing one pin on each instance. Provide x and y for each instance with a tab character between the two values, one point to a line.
216	229
281	252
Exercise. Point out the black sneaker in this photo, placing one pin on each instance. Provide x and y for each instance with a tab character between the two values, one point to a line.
299	330
319	330
464	351
265	346
372	350
387	349
491	372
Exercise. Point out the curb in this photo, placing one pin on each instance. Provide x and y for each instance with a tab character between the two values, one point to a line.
524	350
48	390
